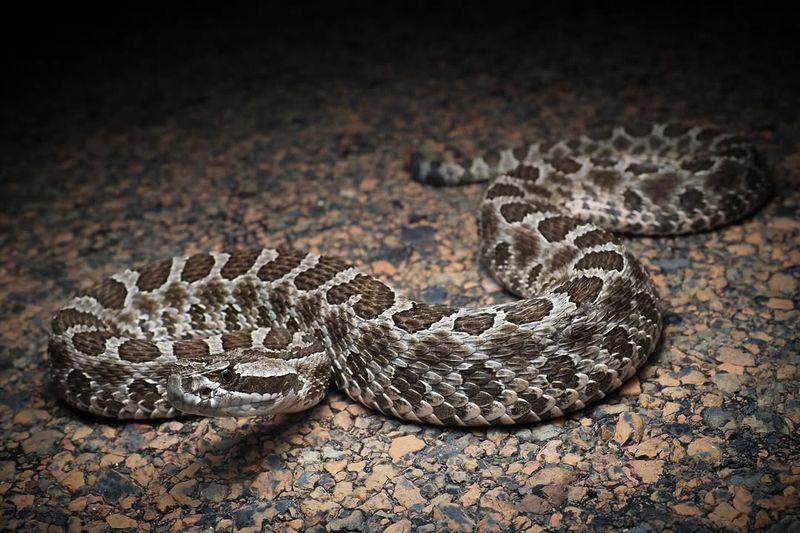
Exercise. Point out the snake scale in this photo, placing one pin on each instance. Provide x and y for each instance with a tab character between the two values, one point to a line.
260	332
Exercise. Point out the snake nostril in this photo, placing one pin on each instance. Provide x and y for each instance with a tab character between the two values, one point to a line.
205	392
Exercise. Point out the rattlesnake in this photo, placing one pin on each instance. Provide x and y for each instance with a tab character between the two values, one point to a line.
263	331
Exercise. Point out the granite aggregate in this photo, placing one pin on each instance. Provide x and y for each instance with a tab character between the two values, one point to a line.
221	135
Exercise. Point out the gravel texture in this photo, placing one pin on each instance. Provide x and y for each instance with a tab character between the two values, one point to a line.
205	134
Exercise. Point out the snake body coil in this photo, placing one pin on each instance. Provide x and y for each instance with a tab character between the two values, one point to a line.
263	331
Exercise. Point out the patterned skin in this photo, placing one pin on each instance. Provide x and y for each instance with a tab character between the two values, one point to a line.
261	332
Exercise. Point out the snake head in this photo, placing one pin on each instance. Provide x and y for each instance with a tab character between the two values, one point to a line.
251	382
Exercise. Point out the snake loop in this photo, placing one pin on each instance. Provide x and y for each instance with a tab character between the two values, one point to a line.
264	331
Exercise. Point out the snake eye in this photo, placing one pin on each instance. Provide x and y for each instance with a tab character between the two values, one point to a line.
226	375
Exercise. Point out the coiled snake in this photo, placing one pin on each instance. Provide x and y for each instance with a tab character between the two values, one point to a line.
254	332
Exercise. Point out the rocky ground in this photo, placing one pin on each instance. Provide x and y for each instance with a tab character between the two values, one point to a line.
209	134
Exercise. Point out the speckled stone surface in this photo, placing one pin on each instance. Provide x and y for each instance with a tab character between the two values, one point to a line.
219	134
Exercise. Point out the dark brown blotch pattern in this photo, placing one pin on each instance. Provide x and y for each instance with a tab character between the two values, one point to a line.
554	229
521	152
168	320
528	311
603	134
474	324
606	260
375	297
239	262
445	412
731	140
538	191
154	275
732	205
91	342
592	238
621	143
492	158
638	169
605	179
516	211
602	380
138	351
502	253
236	339
621	295
520	410
324	271
197	267
581	290
738	152
660	186
263	318
280	301
309	308
110	293
632	200
525	172
707	134
563	257
421	316
359	366
288	259
724	178
692	200
564	164
277	338
503	189
697	165
190	349
675	130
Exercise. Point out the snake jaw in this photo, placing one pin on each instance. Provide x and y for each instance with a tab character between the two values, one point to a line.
247	388
198	395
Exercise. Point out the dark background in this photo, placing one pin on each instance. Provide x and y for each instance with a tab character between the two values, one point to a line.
128	136
67	71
